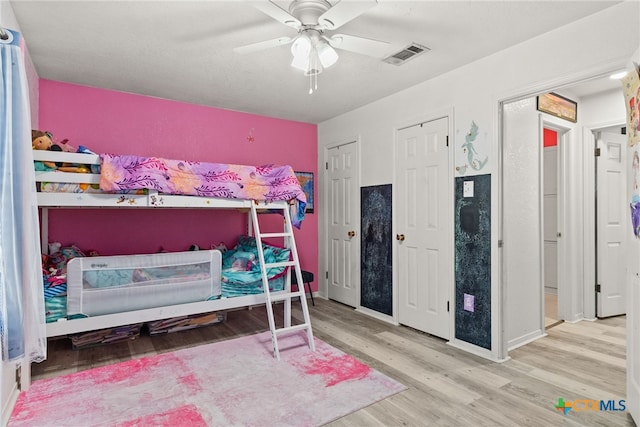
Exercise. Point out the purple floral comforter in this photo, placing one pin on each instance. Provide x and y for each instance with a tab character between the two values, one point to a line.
268	183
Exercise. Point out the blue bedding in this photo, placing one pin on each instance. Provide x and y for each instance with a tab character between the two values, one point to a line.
241	273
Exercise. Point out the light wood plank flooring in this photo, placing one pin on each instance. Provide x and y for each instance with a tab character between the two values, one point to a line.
446	386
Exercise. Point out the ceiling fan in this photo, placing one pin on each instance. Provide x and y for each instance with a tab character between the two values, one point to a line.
313	49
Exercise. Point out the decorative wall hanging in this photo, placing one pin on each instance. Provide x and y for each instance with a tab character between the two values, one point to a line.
306	182
250	137
473	161
559	106
635	196
631	89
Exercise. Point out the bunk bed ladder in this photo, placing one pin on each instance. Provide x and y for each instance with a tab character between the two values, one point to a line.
286	295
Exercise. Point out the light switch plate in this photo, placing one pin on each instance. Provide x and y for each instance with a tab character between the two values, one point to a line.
467	189
469	302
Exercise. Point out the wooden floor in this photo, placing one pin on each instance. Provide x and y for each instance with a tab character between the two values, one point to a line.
446	386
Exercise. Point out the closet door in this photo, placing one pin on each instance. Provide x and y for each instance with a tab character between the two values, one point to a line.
424	232
612	224
343	224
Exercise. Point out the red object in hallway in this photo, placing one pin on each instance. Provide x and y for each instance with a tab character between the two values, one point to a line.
550	138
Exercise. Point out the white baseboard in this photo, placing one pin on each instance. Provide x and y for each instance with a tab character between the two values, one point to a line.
474	349
525	339
377	315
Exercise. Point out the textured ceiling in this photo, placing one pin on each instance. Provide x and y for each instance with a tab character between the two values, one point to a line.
183	50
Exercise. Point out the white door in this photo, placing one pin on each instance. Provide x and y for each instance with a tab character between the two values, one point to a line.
424	235
612	215
343	224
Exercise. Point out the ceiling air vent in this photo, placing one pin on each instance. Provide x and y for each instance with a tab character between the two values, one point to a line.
409	52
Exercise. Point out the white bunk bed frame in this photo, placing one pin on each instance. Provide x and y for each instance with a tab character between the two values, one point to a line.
155	200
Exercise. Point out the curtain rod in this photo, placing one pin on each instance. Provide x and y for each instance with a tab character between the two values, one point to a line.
3	34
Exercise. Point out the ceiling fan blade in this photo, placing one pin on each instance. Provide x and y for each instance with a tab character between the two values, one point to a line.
364	46
267	44
343	12
277	13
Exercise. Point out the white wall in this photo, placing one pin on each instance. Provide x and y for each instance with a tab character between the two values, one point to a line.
522	229
523	220
473	91
603	109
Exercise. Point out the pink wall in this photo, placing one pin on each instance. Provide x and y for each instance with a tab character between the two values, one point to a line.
122	123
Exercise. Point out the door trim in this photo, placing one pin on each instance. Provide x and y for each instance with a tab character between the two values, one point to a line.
447	113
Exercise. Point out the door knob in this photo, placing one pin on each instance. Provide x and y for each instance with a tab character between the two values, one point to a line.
400	237
351	233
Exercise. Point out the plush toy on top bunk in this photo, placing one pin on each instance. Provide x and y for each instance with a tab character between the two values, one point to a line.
44	141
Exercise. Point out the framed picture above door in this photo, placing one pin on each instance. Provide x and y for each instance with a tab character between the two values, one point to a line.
559	106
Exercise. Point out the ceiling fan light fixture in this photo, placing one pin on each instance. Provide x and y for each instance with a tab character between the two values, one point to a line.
328	55
312	50
301	47
300	62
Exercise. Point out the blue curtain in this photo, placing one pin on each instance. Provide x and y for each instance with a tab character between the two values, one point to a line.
22	321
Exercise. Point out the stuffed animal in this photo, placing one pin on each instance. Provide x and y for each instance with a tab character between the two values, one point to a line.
65	146
221	247
42	141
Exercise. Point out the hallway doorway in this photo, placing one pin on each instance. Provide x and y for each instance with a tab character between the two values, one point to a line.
528	245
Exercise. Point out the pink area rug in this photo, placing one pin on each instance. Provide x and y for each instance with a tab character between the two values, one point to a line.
231	383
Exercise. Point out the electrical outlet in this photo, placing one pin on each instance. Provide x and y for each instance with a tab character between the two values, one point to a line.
19	377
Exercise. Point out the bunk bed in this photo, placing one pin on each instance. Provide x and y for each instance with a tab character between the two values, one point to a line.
105	292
